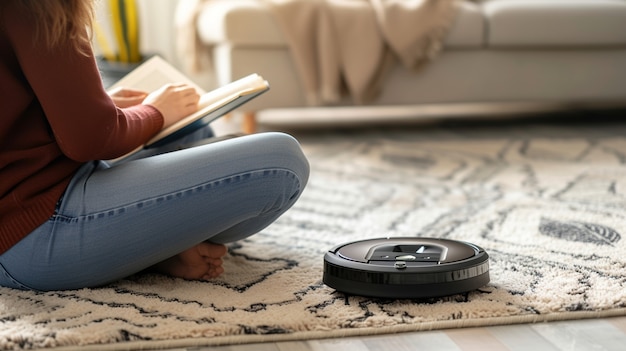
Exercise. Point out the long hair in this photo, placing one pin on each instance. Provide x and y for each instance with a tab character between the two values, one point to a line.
60	21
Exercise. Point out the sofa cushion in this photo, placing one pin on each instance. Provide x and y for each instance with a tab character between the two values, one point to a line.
468	28
240	23
555	23
250	23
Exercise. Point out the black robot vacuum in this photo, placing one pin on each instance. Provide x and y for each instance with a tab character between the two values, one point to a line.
406	267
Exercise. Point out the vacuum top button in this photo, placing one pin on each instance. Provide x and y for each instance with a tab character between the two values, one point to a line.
406	258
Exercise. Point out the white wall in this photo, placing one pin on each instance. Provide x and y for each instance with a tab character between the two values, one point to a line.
158	32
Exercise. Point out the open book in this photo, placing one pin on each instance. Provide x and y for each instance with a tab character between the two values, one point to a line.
156	72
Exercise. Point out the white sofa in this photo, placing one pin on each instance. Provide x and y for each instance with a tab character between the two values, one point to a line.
497	51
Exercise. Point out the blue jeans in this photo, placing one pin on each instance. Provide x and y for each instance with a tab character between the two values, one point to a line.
114	221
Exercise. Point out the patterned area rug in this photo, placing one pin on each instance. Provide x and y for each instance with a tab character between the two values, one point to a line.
546	203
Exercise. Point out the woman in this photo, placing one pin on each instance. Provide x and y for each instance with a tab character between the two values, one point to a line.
69	221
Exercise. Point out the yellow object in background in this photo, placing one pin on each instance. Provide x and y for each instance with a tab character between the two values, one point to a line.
125	24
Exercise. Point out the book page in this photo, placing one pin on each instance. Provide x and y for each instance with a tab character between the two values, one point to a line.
152	75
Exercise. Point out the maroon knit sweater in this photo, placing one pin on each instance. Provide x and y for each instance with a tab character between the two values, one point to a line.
54	116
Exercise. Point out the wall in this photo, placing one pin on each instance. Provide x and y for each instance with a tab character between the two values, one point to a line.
158	27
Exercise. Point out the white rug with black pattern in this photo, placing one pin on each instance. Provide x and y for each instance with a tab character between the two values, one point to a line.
547	203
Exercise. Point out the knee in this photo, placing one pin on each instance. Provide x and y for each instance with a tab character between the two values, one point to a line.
282	150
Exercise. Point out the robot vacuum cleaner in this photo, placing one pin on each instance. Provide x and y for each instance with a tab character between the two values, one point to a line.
406	267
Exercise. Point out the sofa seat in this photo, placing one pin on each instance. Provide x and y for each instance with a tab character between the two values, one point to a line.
565	51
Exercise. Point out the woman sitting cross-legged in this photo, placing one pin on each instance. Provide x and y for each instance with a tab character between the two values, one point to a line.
69	220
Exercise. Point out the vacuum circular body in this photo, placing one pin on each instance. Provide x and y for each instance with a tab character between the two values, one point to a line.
406	267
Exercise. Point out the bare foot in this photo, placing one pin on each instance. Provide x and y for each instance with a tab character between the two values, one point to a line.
203	261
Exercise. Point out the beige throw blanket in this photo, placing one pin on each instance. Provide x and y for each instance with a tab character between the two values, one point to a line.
345	47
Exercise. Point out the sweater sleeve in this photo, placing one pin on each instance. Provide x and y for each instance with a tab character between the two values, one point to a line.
83	118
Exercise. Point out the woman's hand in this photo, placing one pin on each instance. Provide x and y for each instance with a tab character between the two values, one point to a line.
125	97
174	101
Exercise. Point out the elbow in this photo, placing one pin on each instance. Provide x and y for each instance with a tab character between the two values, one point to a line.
90	149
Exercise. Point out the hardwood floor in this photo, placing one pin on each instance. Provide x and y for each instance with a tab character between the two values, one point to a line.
591	334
